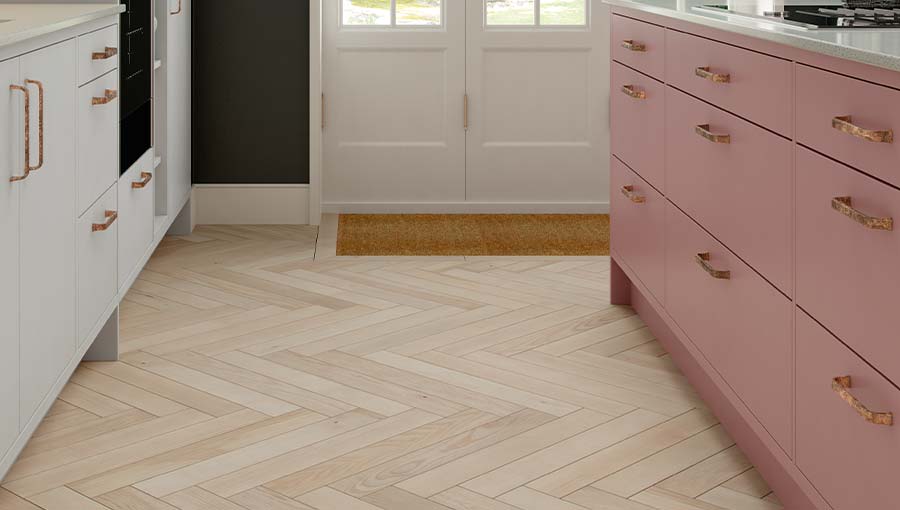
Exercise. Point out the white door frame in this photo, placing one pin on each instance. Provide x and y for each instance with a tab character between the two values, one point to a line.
316	107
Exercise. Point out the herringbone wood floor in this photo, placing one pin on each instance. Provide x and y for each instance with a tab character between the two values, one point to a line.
257	378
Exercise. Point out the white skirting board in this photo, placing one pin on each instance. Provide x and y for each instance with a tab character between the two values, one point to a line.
251	204
466	207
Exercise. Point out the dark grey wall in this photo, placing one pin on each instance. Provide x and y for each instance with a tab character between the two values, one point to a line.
251	91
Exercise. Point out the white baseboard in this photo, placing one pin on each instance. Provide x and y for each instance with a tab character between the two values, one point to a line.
251	204
466	208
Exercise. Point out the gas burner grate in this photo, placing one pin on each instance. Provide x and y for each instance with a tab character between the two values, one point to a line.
872	4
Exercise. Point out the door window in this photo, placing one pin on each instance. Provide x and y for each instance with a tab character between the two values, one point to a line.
392	13
536	13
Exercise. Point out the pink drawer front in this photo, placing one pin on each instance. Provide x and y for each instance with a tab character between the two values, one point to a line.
852	462
739	321
639	45
755	86
848	274
739	188
638	227
638	127
825	101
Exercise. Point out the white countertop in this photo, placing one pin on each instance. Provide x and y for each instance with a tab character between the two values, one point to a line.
875	46
34	20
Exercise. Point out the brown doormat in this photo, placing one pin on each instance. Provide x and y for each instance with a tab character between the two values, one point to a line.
473	234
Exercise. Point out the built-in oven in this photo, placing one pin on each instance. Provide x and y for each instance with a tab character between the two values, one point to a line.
136	82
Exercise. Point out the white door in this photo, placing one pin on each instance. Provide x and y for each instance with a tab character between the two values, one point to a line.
47	294
11	165
394	83
178	101
538	88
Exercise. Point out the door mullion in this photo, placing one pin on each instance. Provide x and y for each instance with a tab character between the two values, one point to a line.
393	13
537	13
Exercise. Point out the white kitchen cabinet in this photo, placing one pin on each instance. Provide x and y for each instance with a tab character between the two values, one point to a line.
98	138
135	191
11	164
47	226
178	100
97	236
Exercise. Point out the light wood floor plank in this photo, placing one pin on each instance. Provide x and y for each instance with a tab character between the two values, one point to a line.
197	452
360	460
327	498
262	372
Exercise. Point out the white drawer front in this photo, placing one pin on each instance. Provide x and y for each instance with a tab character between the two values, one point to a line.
97	238
98	147
135	215
98	53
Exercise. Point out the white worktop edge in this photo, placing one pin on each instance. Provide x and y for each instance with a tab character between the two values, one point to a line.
789	37
101	11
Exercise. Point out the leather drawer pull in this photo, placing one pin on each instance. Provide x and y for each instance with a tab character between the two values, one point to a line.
107	53
111	217
706	74
146	177
631	45
703	130
842	385
702	260
845	124
108	97
629	193
630	91
844	205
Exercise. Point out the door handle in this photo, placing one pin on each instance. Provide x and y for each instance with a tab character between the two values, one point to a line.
146	177
177	11
111	217
629	193
40	87
108	96
842	385
632	45
844	205
466	112
630	91
706	74
845	124
702	260
107	53
27	123
703	130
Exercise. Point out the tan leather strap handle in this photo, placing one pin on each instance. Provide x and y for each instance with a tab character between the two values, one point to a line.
841	386
108	97
40	87
703	130
629	193
706	74
632	45
107	53
26	166
844	205
111	217
146	177
845	124
630	91
702	260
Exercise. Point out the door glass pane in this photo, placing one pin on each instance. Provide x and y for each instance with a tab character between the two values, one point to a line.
563	12
510	12
419	12
367	12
